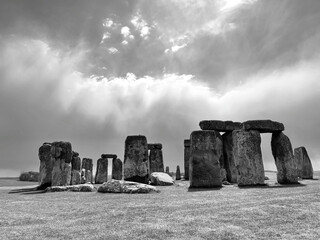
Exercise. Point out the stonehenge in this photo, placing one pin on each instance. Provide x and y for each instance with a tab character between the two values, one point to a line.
155	158
46	164
186	158
75	169
304	166
86	171
178	174
102	170
116	169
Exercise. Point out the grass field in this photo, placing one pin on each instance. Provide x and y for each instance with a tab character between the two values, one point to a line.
271	212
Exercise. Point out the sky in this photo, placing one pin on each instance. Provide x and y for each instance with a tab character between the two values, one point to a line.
94	72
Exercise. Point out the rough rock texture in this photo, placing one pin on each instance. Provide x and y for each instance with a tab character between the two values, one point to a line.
116	169
136	159
152	146
305	170
220	126
74	188
75	169
46	164
263	126
178	174
102	171
161	179
62	156
186	158
248	158
167	170
29	176
86	172
117	186
285	162
205	155
229	162
156	160
109	156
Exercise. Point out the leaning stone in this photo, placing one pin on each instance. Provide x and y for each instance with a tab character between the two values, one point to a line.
136	159
116	169
186	158
161	179
109	156
46	164
102	171
72	188
285	162
178	175
117	186
229	162
156	160
263	126
205	158
75	169
86	173
62	157
305	170
248	157
220	126
152	146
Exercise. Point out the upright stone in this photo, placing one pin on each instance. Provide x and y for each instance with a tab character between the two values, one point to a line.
186	158
155	158
116	169
102	171
285	162
305	170
178	174
167	170
86	172
229	161
205	155
62	157
136	159
46	164
76	169
248	157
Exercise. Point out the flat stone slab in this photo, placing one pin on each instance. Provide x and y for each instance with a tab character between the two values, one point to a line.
109	156
220	126
152	146
263	126
73	188
161	179
120	186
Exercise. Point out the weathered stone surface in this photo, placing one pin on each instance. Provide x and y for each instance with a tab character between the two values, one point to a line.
136	159
74	188
116	169
229	163
263	126
29	176
86	172
285	162
62	157
117	186
152	146
205	154
46	164
161	179
186	158
102	171
178	174
167	170
156	160
247	157
220	126
113	156
305	169
75	169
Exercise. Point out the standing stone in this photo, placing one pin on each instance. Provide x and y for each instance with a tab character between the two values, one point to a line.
285	162
229	161
178	175
86	172
46	164
305	170
248	157
205	155
136	159
116	169
155	158
62	156
102	171
167	170
186	158
76	168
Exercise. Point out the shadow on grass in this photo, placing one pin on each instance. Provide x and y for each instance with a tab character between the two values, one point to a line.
273	186
193	189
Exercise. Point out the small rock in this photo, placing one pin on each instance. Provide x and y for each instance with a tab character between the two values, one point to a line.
119	186
161	179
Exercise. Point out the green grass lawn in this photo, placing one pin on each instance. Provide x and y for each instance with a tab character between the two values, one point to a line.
274	212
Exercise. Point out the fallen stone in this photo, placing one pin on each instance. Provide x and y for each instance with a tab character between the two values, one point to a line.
119	186
102	171
46	164
178	175
220	126
161	179
263	126
285	162
72	188
116	169
186	158
109	156
304	165
152	146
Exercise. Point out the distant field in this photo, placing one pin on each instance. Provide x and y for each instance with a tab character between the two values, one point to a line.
272	212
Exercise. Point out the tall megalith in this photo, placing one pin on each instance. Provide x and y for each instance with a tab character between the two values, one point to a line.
116	169
86	170
304	165
62	157
178	174
283	155
75	169
229	161
46	164
205	156
186	158
102	171
248	157
136	159
155	157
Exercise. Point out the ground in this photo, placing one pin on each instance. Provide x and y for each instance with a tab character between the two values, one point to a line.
271	212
